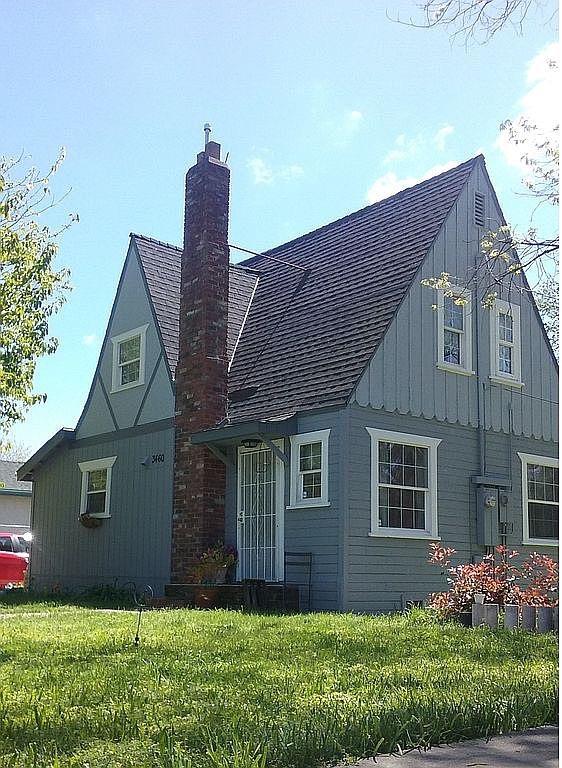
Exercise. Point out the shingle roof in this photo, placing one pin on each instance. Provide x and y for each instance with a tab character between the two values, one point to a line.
161	264
8	480
312	328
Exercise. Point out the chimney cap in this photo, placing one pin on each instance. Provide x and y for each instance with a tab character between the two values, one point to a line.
207	132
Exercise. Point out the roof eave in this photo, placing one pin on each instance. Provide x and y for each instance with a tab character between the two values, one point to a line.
64	435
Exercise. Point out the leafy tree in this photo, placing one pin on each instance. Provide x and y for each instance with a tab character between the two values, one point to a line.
31	288
14	450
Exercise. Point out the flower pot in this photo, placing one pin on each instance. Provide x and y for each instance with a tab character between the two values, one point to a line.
479	598
220	575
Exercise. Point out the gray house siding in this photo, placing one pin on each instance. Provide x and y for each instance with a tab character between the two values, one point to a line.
402	376
134	544
148	402
384	573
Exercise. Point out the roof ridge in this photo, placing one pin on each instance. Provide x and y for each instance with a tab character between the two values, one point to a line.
231	264
471	161
155	240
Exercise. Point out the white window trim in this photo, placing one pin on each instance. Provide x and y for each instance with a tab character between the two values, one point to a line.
89	466
497	376
545	461
321	436
465	368
431	443
116	386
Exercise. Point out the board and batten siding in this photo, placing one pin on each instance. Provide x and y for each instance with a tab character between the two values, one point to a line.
143	404
318	530
383	573
402	376
134	544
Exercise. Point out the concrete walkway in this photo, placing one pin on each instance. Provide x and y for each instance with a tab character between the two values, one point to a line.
536	748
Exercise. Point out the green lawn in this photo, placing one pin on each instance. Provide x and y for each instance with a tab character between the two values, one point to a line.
226	690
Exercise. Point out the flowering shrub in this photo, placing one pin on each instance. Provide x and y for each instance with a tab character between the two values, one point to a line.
534	581
214	561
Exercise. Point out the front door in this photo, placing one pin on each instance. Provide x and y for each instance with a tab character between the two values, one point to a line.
260	514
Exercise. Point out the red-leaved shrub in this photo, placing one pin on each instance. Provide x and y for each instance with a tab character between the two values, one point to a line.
531	581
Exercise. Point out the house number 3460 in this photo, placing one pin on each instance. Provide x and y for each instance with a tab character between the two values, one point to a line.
157	458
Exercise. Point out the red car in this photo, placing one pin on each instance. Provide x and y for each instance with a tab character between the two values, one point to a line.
13	560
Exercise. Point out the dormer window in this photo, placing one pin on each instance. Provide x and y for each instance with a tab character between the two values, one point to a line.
505	344
128	359
454	315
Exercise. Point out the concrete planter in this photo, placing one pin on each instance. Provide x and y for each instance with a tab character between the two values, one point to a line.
511	617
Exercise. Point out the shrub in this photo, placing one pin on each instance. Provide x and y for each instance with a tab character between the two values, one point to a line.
533	581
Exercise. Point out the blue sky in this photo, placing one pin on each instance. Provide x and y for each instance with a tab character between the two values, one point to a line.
323	106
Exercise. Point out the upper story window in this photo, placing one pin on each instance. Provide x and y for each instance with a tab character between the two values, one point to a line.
505	344
455	330
540	499
96	486
403	484
309	469
129	351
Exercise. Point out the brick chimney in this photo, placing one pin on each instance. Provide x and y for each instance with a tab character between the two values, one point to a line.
201	372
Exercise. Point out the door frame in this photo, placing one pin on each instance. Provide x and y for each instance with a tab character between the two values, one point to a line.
279	506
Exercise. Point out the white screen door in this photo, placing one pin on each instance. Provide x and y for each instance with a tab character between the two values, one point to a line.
260	514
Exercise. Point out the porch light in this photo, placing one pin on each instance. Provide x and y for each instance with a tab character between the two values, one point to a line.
251	442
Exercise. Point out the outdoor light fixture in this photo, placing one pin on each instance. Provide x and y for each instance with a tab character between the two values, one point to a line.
251	442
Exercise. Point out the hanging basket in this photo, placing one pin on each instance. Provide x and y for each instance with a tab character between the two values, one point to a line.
90	522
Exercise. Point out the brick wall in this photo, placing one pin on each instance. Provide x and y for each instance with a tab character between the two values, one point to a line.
201	373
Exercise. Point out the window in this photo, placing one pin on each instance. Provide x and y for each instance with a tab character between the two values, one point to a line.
403	485
309	469
505	344
96	486
454	346
540	499
128	359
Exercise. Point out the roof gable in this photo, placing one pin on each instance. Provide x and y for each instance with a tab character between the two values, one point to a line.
161	263
305	331
308	337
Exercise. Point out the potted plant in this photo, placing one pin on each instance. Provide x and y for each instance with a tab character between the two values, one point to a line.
215	563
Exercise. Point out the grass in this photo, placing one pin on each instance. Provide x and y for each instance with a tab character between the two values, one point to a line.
222	689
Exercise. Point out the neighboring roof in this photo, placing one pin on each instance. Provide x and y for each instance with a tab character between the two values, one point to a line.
161	264
25	472
309	330
9	484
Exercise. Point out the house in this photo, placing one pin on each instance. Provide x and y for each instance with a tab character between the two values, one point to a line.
15	499
314	399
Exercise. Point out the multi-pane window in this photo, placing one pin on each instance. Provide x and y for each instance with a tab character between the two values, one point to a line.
505	343
309	469
96	486
128	359
455	331
540	499
96	492
403	484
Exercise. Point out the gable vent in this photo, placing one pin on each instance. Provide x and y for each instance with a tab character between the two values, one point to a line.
479	209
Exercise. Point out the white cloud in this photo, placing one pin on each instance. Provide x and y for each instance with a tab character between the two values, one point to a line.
441	136
89	340
389	184
343	129
264	174
403	149
539	105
